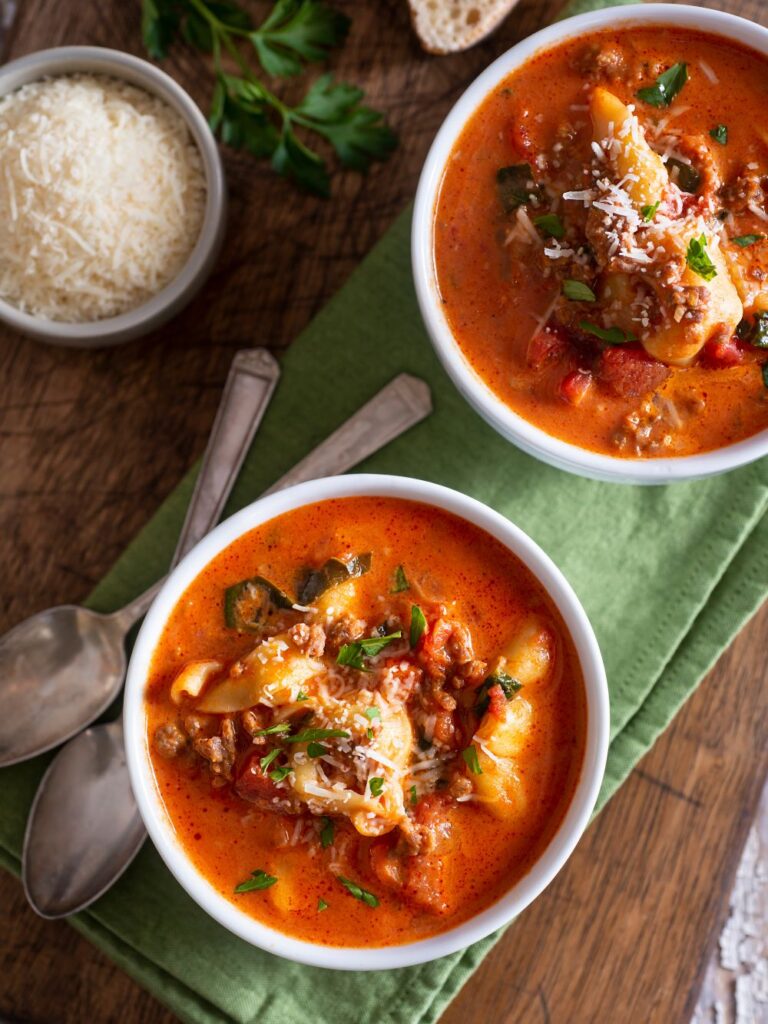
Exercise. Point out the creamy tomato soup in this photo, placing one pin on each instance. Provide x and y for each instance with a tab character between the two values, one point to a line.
601	242
366	720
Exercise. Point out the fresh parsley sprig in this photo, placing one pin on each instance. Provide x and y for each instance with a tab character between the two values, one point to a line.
248	115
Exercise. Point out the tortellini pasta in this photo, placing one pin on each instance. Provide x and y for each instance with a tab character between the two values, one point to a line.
192	678
642	170
273	673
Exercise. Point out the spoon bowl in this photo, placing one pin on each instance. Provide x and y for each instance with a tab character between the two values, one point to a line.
60	877
71	662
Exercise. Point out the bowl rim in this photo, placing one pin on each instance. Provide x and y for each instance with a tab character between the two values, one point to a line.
511	425
60	61
561	844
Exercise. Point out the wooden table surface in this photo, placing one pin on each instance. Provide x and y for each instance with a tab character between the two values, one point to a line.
91	443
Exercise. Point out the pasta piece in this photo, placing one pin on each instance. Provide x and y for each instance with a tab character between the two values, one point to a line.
612	119
741	265
337	602
505	736
388	752
530	655
272	674
679	343
192	678
500	786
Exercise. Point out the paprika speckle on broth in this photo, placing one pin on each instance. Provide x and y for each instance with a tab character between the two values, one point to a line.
367	720
601	242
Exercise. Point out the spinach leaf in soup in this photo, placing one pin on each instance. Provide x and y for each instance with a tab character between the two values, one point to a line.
515	186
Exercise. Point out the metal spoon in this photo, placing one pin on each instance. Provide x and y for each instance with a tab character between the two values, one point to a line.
84	828
60	669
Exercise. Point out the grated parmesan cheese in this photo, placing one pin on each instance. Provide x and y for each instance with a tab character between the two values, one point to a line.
102	194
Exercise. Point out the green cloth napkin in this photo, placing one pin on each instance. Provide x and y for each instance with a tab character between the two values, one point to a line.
668	575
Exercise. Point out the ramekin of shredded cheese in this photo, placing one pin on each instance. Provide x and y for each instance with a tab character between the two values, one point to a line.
112	197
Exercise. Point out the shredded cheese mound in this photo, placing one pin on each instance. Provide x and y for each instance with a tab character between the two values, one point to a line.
102	194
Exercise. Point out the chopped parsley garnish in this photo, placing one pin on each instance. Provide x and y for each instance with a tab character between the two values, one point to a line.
273	730
317	750
515	186
666	86
354	654
744	240
649	212
358	892
684	175
259	880
280	773
414	796
418	624
577	291
302	696
509	686
472	761
327	833
720	134
267	760
756	333
611	335
321	905
400	582
369	733
308	735
376	784
698	259
550	224
372	713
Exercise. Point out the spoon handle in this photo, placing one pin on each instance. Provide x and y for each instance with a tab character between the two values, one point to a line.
401	404
249	387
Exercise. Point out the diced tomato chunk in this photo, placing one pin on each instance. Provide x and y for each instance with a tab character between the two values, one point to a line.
254	784
720	352
496	701
550	344
630	372
574	386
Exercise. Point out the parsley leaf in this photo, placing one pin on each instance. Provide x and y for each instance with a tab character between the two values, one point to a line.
280	773
302	696
321	905
371	713
472	761
414	796
267	760
649	212
698	259
355	653
400	582
666	86
418	625
550	224
720	134
376	784
273	730
297	30
744	240
248	115
756	333
317	750
577	291
309	735
358	892
327	833
259	880
611	335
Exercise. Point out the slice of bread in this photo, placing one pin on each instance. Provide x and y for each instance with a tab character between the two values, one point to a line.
446	26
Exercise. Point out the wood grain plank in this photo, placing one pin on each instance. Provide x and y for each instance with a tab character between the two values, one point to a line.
91	443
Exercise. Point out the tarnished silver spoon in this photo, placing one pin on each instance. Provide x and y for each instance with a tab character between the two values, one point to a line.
60	669
84	828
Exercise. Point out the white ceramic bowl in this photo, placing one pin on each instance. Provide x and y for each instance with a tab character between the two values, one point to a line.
557	852
68	60
509	424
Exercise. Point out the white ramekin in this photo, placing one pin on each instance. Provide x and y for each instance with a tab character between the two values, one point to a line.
68	60
562	843
509	424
